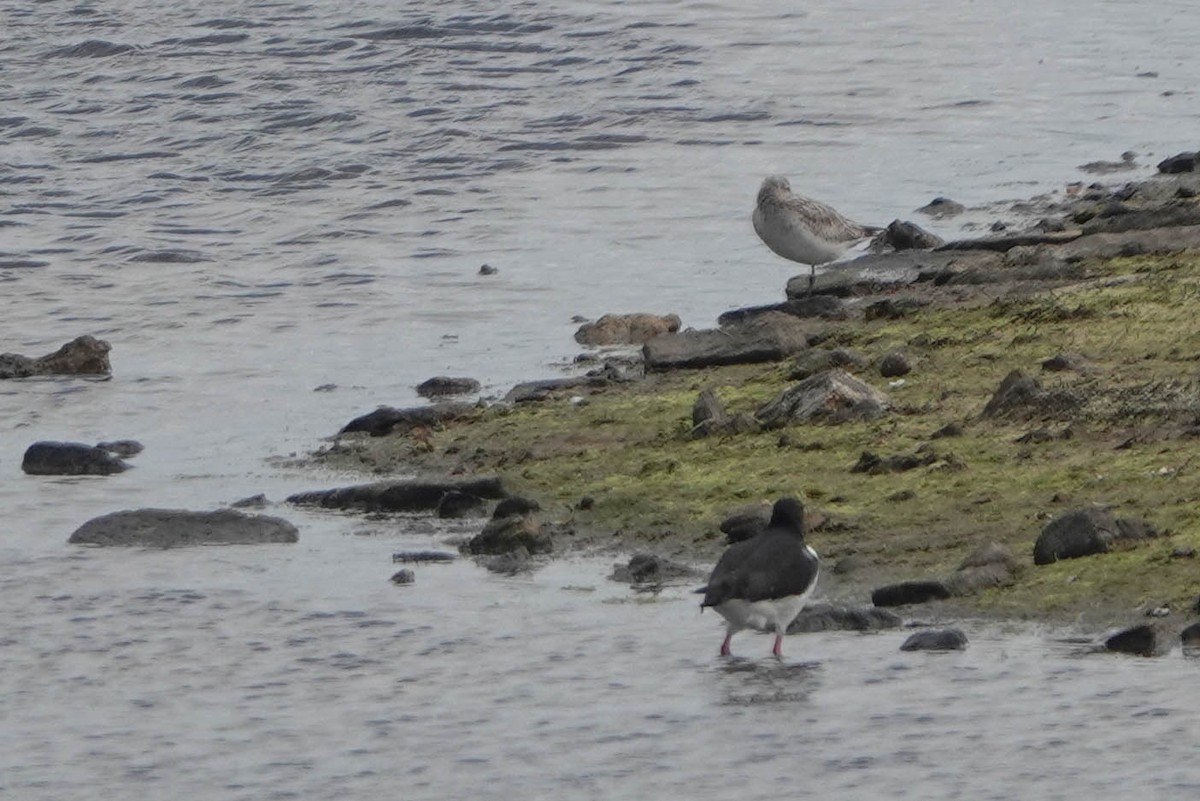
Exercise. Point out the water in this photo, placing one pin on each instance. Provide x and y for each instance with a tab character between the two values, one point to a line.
251	200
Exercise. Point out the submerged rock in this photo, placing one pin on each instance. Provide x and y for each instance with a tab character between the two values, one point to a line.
442	385
942	207
936	640
70	459
651	569
399	496
512	529
124	448
387	420
1139	640
403	576
843	618
174	528
83	355
423	556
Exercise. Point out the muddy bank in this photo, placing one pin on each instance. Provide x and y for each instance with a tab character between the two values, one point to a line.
1090	310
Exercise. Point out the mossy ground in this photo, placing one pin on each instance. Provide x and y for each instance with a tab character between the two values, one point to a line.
1131	443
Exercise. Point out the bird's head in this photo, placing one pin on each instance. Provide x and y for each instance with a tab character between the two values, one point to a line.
788	513
774	186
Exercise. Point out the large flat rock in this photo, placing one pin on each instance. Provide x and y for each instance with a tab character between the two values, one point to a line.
399	496
176	528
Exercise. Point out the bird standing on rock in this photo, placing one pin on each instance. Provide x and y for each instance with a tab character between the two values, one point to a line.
802	229
764	582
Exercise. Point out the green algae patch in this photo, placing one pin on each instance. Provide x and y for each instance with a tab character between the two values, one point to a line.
1121	428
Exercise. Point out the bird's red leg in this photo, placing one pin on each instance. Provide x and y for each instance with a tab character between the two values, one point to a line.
778	649
725	644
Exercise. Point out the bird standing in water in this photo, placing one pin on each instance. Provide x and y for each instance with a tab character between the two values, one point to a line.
764	582
802	229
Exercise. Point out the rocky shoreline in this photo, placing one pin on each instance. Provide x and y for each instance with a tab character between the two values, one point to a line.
939	409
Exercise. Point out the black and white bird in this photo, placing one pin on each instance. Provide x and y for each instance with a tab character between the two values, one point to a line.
802	229
764	582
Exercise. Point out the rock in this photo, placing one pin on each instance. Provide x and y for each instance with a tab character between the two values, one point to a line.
83	355
818	360
511	529
515	505
709	418
1009	241
1127	162
487	269
387	420
706	410
252	502
875	465
1180	162
1021	395
174	528
948	430
768	338
1123	219
1190	639
441	386
1085	531
511	563
909	592
843	618
823	306
456	505
745	523
404	576
124	448
651	569
1065	361
1139	640
989	565
626	329
834	396
70	459
529	391
936	640
942	207
398	496
893	308
904	235
422	556
894	364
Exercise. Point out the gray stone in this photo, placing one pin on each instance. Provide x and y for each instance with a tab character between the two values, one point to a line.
942	207
174	528
398	496
822	306
895	364
404	576
70	459
904	235
442	385
843	618
83	355
909	592
768	338
647	569
1139	640
936	640
626	329
1085	531
818	360
387	420
833	396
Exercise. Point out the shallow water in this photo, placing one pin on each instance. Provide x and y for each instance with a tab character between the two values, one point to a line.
252	200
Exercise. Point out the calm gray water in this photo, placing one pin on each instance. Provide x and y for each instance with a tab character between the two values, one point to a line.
250	200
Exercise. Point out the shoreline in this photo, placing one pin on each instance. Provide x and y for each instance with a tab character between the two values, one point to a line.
1102	285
